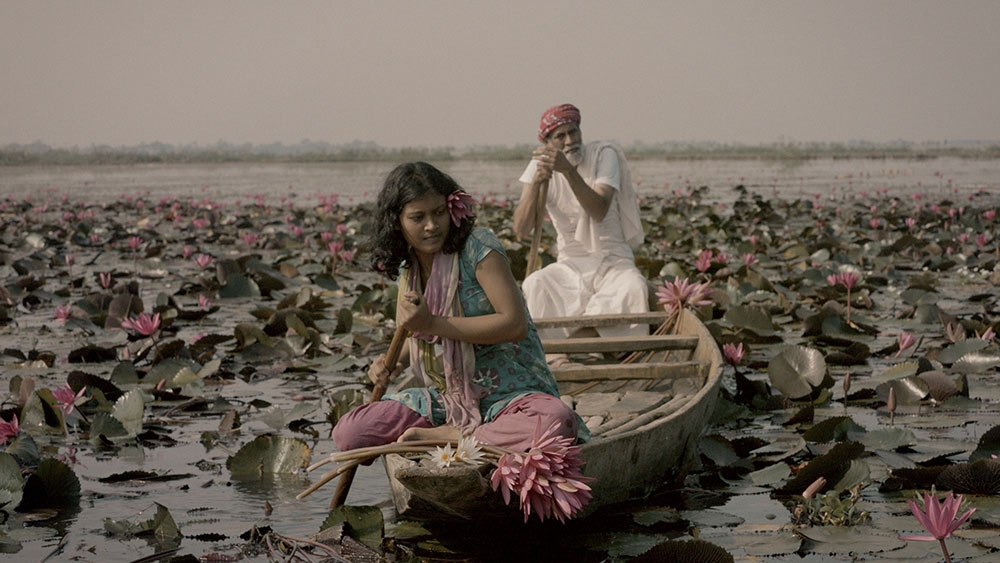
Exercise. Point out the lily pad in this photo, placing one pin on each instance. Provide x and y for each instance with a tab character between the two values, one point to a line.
888	438
989	445
751	318
952	353
128	410
363	523
848	539
976	363
52	485
11	482
238	285
161	528
908	390
269	454
770	475
837	428
685	550
796	371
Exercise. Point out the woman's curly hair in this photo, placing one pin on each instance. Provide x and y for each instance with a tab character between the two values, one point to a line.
406	182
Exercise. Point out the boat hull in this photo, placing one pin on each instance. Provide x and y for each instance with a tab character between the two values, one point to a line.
627	460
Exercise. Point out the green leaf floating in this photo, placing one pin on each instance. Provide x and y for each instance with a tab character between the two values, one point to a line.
10	482
52	485
796	371
751	318
954	352
161	527
363	523
239	285
128	410
269	454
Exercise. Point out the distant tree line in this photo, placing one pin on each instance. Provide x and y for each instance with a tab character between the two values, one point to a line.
315	151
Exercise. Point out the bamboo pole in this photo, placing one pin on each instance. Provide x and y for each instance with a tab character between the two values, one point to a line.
347	475
536	234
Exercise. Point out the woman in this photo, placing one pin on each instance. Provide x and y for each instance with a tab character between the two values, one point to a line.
478	352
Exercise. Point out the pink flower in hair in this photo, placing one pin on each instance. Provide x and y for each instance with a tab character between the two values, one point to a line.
460	206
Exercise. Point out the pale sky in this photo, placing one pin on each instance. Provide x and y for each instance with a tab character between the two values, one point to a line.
460	73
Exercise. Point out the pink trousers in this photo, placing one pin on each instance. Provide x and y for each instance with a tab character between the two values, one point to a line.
513	428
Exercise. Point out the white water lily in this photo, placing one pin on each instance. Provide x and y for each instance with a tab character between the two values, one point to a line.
468	451
443	456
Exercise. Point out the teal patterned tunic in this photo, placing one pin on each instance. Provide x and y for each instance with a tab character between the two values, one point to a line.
508	370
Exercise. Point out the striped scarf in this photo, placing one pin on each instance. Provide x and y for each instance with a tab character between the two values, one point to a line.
452	372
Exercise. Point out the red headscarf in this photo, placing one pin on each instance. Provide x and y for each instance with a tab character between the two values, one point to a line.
556	116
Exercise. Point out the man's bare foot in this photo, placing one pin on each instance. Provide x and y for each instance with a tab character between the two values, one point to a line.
556	360
584	332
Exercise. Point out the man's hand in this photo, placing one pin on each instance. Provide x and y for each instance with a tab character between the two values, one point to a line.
551	160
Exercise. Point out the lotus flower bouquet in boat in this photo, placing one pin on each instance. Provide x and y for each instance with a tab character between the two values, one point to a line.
547	479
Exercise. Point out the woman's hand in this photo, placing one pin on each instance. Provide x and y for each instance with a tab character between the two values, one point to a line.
412	313
379	372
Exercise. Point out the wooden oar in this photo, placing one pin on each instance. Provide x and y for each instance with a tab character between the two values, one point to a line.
391	357
536	235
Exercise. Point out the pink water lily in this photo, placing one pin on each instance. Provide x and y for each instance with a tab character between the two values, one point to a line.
938	518
546	478
9	430
460	206
906	341
848	280
204	260
144	324
63	313
677	294
733	353
704	261
66	399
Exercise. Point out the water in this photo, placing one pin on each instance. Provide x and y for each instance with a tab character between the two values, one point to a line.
360	181
210	500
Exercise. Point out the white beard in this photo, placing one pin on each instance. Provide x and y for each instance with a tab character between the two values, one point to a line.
574	154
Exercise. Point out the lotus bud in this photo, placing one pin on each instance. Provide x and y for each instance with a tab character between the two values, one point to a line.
816	487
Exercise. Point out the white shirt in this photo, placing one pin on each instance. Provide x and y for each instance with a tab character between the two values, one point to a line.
567	213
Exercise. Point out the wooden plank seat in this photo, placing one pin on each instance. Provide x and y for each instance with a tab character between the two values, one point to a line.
595	321
577	373
600	345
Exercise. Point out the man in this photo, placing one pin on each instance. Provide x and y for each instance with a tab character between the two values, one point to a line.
593	207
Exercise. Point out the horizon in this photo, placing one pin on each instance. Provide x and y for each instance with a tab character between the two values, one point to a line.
667	145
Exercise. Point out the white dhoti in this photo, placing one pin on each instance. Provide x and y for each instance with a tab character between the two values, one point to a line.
588	286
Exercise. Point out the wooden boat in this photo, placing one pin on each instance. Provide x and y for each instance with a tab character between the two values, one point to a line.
646	418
